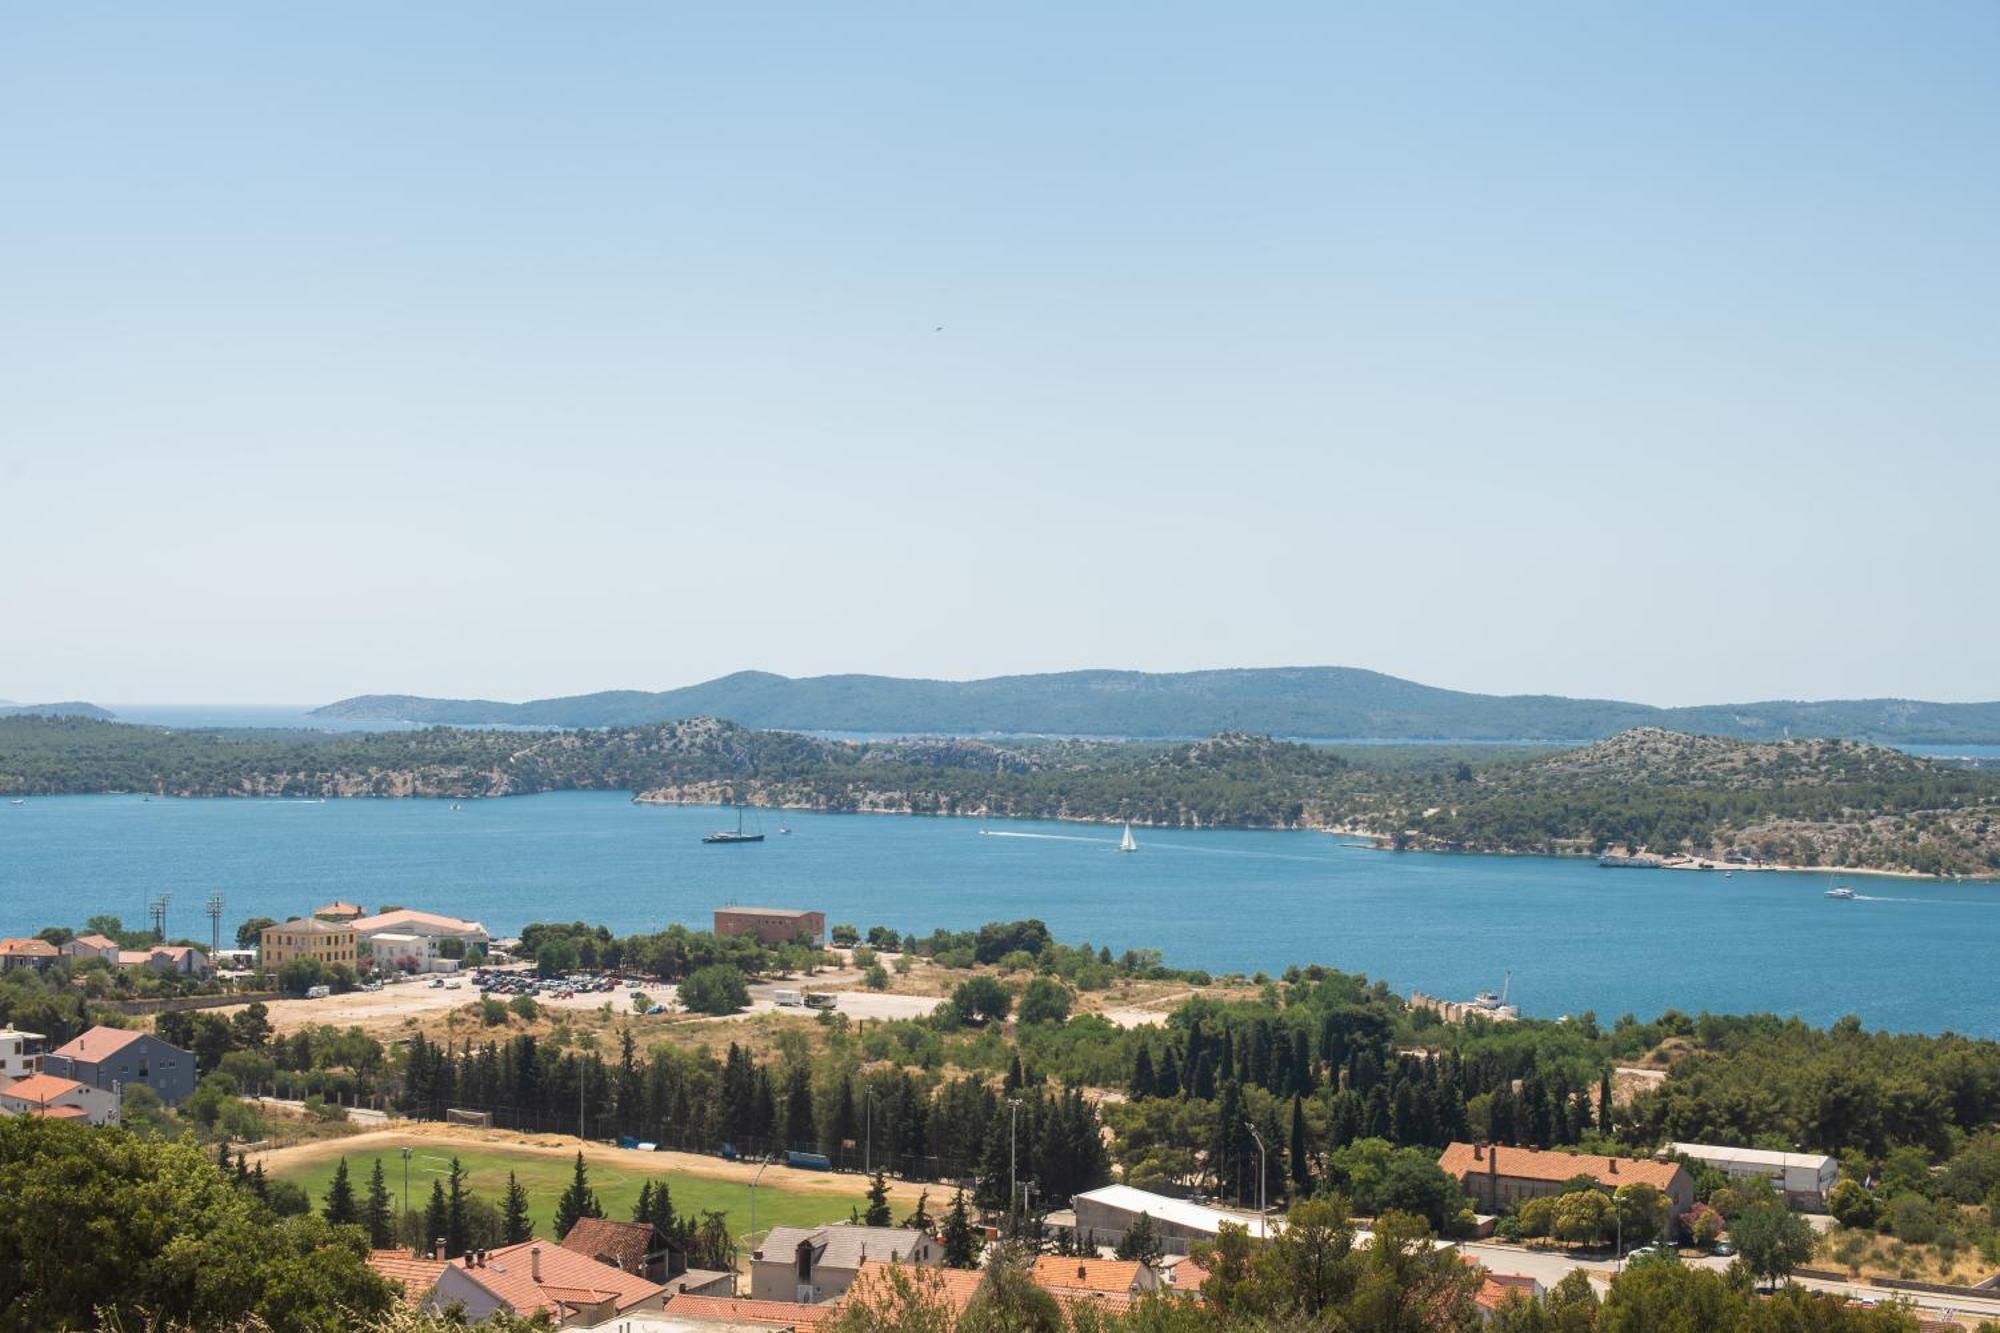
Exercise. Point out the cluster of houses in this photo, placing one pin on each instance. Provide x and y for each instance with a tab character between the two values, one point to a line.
86	1079
175	959
398	940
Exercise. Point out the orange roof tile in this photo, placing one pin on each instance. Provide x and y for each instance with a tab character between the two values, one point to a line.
1089	1274
21	948
418	1275
39	1088
567	1278
729	1310
100	1043
623	1244
95	942
1461	1160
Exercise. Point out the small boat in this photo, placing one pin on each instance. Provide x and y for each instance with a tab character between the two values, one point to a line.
784	831
1729	874
17	801
737	834
456	806
1840	891
1127	843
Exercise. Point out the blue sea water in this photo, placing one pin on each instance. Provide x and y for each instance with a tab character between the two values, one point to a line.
1907	955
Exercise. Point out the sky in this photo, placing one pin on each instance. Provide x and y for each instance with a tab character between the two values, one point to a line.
514	350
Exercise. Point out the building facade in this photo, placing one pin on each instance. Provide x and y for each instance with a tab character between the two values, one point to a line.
1802	1179
59	1098
1104	1215
772	925
808	1265
118	1058
1498	1178
38	954
20	1054
324	942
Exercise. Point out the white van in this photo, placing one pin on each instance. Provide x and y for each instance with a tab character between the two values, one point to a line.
318	992
789	998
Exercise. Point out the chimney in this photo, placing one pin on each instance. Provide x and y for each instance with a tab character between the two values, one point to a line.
1082	1272
437	1248
535	1262
1479	1151
1614	1164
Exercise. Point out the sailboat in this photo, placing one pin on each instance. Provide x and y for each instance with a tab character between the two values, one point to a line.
1126	843
738	834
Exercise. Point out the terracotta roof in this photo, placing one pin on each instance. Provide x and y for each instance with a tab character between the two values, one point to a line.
1462	1160
95	942
19	948
404	916
339	908
954	1286
305	925
418	1275
623	1244
1089	1274
728	1310
566	1278
100	1043
134	957
1187	1275
40	1088
1493	1288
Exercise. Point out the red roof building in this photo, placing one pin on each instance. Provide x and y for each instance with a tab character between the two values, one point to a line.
537	1277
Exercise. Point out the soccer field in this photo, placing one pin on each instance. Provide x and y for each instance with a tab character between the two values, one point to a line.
545	1177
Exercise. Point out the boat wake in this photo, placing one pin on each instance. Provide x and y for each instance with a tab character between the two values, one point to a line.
1044	837
1155	846
1925	902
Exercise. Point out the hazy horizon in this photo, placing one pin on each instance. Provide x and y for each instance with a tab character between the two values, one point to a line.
471	350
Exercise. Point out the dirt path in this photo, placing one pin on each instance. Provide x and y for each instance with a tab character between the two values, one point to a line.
423	1133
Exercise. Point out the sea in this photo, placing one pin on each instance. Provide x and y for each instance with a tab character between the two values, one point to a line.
1565	935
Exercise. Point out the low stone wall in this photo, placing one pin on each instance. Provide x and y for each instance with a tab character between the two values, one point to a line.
182	1003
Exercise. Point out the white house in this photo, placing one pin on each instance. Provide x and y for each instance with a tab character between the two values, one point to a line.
59	1098
20	1054
809	1265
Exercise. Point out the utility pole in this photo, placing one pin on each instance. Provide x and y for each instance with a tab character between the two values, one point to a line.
1263	1167
753	1202
214	910
156	907
1013	1115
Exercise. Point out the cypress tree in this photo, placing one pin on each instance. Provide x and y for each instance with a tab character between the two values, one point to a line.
642	1211
1301	1168
1167	1081
378	1214
436	1220
515	1224
1604	1121
579	1200
340	1209
1142	1074
457	1235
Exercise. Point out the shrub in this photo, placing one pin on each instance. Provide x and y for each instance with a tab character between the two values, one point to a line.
1852	1205
492	1013
525	1008
715	989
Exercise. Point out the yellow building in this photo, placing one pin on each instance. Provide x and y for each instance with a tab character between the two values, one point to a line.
327	942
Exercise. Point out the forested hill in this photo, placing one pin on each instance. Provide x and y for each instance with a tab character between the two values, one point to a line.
1812	802
67	709
1324	702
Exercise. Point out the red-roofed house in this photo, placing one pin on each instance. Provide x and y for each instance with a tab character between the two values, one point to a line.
1498	1178
761	1314
41	1094
414	1273
116	1058
93	946
1128	1276
37	954
539	1277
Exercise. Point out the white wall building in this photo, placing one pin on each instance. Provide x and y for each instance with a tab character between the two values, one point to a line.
1804	1179
395	951
1106	1214
20	1054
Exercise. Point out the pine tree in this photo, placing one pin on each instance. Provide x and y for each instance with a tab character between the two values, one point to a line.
1142	1074
1141	1242
222	1155
457	1233
1167	1082
515	1224
1301	1167
800	1131
242	1170
579	1200
340	1209
436	1219
642	1211
921	1219
378	1214
878	1203
961	1242
258	1183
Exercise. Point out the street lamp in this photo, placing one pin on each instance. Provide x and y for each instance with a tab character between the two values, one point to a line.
1263	1167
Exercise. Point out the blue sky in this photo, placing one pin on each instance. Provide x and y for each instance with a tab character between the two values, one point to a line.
524	349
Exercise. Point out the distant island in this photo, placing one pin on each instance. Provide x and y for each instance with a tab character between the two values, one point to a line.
1303	702
1820	802
70	709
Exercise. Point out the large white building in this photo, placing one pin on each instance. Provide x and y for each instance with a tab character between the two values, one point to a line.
1804	1179
20	1054
407	921
1105	1215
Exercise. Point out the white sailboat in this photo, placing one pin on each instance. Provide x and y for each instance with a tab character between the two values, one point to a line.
1127	843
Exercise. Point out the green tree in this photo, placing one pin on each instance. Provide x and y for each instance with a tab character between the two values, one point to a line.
378	1213
1583	1217
556	957
1641	1212
717	988
457	1234
579	1200
1045	1000
981	999
1852	1205
437	1221
1008	1299
878	1214
340	1208
250	934
1141	1241
515	1224
960	1241
1772	1240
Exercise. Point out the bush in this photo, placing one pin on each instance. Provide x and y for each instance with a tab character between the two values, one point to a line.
1913	1218
877	979
863	957
1046	1000
844	936
525	1008
1852	1205
980	1000
492	1013
715	989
